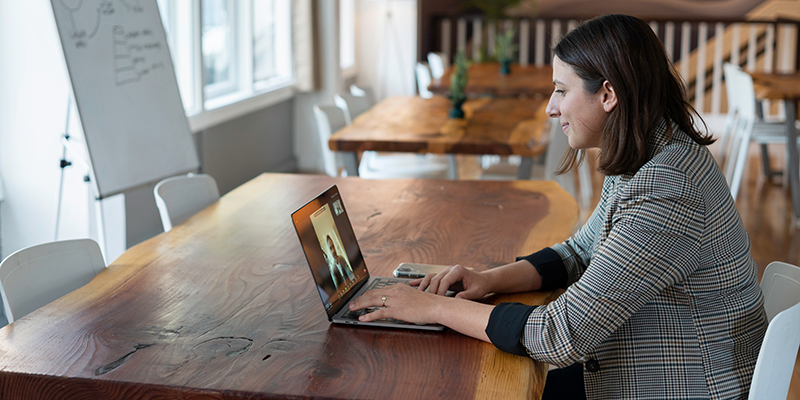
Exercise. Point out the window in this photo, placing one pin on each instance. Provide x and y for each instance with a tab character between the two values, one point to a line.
219	47
229	54
264	40
347	37
269	41
180	35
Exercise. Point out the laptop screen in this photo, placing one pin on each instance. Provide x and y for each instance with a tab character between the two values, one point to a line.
330	247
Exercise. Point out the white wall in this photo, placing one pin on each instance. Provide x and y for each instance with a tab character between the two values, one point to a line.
307	146
386	46
383	49
34	88
33	103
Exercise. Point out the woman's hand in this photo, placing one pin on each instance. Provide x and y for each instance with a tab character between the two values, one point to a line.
400	302
469	284
405	303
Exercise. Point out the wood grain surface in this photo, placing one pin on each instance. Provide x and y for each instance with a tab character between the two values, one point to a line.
417	125
485	79
223	306
776	86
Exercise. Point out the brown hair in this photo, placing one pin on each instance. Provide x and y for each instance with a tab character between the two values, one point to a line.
624	51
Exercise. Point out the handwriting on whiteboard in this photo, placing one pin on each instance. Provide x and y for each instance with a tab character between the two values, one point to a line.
137	52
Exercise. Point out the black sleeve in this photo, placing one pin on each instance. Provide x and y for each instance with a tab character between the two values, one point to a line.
506	324
550	266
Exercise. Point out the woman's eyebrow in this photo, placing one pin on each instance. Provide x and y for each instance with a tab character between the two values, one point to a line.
558	82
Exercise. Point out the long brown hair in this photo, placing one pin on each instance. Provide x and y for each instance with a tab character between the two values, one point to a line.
624	51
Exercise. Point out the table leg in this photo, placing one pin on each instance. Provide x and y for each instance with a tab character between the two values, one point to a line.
524	171
791	152
350	163
452	170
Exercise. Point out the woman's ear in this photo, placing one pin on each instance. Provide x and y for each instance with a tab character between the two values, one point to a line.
609	97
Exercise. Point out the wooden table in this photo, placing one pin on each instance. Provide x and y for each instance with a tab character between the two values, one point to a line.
785	87
413	124
223	306
485	79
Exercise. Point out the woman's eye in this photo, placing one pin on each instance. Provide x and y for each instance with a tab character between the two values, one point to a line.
560	91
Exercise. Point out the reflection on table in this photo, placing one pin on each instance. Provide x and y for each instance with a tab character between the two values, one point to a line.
223	306
485	79
502	126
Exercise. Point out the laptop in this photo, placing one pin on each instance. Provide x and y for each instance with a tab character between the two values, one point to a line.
336	262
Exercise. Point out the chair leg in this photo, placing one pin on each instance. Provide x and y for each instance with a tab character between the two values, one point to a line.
452	170
768	172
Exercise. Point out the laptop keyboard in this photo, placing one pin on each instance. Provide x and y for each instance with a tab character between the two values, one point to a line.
376	284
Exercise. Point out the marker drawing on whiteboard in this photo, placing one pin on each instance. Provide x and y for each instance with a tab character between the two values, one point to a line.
132	5
125	69
105	8
79	35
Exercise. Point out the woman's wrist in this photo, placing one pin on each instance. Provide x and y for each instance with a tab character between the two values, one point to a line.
519	276
491	279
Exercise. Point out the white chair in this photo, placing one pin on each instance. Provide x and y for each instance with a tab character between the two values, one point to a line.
781	287
773	373
352	105
423	80
776	359
506	167
556	148
365	92
743	127
331	118
180	197
438	63
35	276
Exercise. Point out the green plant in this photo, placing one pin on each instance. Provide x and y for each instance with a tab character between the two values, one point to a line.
494	9
459	79
504	47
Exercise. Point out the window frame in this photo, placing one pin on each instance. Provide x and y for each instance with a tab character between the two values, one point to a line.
221	104
348	71
233	83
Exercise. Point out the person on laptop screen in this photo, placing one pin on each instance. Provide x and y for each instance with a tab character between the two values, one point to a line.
662	297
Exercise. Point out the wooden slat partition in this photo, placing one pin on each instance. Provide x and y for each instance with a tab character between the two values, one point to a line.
697	47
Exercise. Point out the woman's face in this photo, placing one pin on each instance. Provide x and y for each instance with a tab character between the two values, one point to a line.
583	115
332	247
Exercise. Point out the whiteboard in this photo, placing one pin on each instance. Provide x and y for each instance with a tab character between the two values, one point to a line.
126	93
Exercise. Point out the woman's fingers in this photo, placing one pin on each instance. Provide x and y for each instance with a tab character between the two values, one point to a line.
402	302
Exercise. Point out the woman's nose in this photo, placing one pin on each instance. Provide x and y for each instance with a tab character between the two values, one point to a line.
552	109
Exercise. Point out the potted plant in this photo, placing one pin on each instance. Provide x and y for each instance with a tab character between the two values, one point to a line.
504	50
458	84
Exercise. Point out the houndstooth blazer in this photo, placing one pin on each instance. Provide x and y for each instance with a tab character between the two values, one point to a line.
663	299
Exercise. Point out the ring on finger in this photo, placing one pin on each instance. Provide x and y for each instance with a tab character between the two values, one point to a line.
383	300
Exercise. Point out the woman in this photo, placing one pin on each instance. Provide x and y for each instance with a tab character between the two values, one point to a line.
662	296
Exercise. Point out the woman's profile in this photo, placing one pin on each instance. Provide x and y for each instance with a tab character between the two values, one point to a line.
662	297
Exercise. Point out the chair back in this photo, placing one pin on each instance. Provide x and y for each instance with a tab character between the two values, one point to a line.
739	123
776	359
35	276
365	92
781	287
180	197
352	105
423	80
438	64
329	119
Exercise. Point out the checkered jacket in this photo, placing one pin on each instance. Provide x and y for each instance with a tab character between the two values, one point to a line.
663	295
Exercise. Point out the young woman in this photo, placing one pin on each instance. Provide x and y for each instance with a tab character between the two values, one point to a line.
662	296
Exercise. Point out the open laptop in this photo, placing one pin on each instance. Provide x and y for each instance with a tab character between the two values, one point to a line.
336	262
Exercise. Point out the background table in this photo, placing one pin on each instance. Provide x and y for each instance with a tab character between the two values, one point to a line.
485	79
785	87
413	124
223	306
